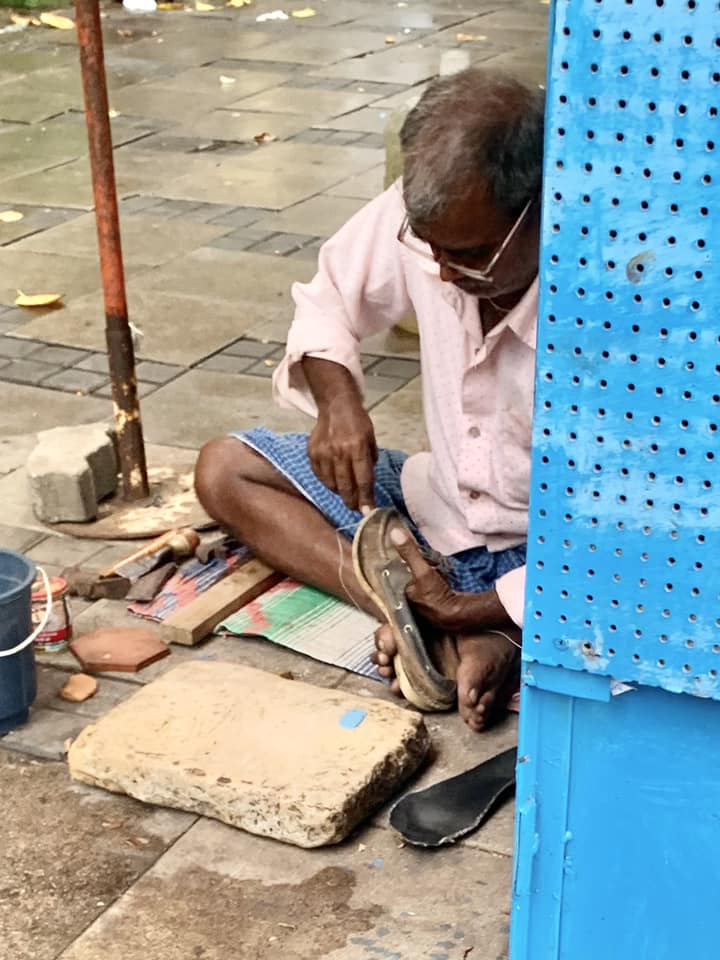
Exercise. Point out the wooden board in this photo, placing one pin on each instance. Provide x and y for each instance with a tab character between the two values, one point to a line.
198	619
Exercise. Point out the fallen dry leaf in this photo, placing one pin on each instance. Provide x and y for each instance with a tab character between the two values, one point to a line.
11	216
20	20
78	687
304	13
203	7
126	34
170	6
57	21
226	81
113	113
264	137
469	37
37	299
138	841
269	363
239	3
112	824
390	40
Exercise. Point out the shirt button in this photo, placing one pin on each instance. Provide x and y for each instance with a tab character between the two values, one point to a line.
474	431
474	494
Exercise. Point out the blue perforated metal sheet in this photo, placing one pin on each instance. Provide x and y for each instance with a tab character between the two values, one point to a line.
623	552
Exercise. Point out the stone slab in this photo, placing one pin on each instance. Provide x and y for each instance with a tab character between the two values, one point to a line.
146	240
363	186
406	63
28	409
68	852
46	273
368	898
398	420
319	104
67	185
366	120
205	404
313	763
318	216
243	126
320	45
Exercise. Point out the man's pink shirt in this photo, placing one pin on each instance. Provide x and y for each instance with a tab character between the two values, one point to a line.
471	488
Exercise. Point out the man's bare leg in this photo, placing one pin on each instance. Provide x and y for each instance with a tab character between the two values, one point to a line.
485	673
243	491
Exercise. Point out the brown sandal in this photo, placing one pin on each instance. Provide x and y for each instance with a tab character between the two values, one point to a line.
384	576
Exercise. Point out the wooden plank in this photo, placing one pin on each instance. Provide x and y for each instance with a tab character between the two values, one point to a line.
198	619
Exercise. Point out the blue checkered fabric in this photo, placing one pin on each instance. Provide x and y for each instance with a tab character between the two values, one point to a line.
470	571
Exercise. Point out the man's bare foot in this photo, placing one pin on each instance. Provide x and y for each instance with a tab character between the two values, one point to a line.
488	664
384	656
485	673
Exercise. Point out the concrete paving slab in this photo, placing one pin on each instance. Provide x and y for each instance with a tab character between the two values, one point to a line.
146	241
206	80
528	64
367	119
50	681
67	185
14	451
68	852
17	538
28	409
320	216
45	735
314	762
243	127
321	45
363	899
407	63
206	404
46	273
319	104
27	104
206	327
363	186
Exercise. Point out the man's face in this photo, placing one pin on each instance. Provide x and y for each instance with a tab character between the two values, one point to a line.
471	233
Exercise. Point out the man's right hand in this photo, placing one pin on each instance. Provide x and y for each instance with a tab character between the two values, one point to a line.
342	446
343	453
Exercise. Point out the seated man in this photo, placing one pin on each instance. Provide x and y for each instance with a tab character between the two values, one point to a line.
457	242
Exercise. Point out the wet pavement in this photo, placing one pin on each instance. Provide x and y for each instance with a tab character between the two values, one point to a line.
216	226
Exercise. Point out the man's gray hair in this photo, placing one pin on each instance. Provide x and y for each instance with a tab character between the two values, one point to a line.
472	126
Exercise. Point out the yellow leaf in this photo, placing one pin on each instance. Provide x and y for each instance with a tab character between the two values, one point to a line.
57	21
20	20
37	299
239	3
390	40
203	7
264	137
10	216
304	13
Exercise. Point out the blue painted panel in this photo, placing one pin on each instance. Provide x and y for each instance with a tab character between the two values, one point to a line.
625	512
618	828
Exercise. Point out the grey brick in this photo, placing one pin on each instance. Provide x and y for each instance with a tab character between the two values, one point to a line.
26	371
174	208
399	369
62	356
208	212
139	204
240	239
249	348
12	347
147	370
280	244
74	380
45	735
96	362
374	141
226	363
239	217
263	368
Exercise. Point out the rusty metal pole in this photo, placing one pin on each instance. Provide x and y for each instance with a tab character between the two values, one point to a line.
121	355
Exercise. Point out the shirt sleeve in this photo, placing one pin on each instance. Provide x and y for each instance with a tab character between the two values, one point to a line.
510	588
358	290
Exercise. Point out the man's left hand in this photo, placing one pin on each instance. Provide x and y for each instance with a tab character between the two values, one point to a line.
429	591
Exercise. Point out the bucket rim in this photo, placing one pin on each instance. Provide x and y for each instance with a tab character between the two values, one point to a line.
27	582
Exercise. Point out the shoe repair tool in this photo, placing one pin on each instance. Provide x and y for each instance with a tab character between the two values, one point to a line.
451	809
90	586
147	587
216	548
384	576
173	545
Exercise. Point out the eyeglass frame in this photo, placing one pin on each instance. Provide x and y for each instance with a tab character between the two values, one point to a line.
483	275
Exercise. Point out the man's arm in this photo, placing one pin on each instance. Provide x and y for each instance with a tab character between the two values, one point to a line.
342	446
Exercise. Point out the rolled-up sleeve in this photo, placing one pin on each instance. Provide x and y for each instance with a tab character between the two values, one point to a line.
358	290
510	588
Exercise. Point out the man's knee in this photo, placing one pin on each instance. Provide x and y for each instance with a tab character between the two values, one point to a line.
219	461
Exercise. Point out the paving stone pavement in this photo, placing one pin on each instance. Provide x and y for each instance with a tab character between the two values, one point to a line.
239	147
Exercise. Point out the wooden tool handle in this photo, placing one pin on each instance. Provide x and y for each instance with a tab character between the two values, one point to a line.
183	543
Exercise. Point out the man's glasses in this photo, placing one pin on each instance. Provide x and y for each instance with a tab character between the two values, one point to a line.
409	239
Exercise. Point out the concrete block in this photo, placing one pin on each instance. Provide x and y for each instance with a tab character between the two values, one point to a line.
276	757
70	470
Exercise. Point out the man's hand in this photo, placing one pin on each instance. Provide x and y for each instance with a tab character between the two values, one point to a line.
343	453
429	592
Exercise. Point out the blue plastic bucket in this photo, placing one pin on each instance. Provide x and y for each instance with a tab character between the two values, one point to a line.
17	672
